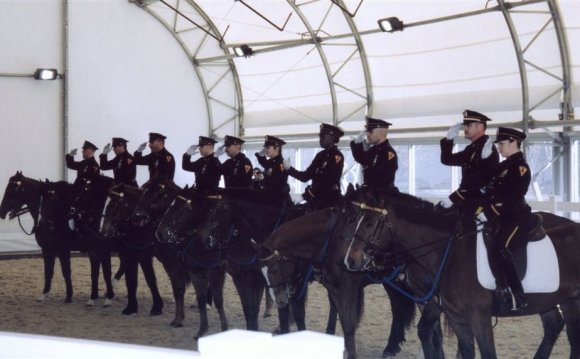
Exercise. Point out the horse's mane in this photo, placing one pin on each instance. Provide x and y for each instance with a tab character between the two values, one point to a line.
419	211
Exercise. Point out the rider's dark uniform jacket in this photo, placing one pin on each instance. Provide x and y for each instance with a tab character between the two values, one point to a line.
237	172
379	164
86	169
123	166
275	176
475	171
505	194
207	169
161	164
325	172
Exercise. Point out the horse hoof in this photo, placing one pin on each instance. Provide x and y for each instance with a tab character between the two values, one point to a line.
108	303
42	297
90	303
177	325
68	300
155	312
267	314
391	352
129	311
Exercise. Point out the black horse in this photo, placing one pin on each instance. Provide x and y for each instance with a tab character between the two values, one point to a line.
135	243
241	219
187	260
87	211
49	205
319	238
405	233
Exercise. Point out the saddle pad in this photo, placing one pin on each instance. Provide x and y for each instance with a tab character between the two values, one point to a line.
542	275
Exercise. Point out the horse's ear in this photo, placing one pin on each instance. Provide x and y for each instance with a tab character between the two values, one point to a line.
46	180
349	189
186	187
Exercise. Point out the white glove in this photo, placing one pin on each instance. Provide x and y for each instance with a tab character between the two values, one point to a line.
454	131
107	148
287	164
191	149
481	217
359	138
263	152
220	151
486	150
73	152
446	203
142	147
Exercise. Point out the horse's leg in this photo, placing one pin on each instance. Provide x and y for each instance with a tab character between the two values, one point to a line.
571	313
200	285
332	317
178	280
146	261
403	312
350	302
553	324
284	319
130	263
299	310
483	332
95	269
250	287
65	268
465	342
429	331
217	279
48	258
269	307
105	259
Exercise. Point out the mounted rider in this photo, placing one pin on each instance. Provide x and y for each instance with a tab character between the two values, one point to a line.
478	160
237	170
160	161
275	175
380	161
325	171
504	201
207	168
123	164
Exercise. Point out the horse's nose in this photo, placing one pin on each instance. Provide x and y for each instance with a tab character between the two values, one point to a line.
350	263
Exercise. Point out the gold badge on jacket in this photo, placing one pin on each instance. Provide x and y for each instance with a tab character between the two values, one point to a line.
247	168
168	158
523	170
282	167
337	158
390	155
129	161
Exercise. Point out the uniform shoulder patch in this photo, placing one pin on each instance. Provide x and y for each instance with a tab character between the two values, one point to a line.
282	169
523	170
247	168
168	158
337	158
129	161
390	155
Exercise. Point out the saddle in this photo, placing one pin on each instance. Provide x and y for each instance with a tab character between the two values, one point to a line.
534	233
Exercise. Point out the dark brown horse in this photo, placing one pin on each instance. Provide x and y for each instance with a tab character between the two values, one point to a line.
319	238
49	204
134	242
405	233
187	260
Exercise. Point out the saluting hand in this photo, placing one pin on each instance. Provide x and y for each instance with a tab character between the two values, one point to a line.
453	131
191	150
287	164
487	148
359	138
107	148
142	147
73	152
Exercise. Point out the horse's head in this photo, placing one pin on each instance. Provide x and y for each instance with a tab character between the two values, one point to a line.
219	223
381	225
156	198
56	203
15	196
90	197
186	210
122	202
278	270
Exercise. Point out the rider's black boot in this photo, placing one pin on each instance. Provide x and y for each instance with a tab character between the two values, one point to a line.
513	280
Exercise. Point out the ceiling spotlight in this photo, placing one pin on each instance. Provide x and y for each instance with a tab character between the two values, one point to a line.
244	51
46	74
391	24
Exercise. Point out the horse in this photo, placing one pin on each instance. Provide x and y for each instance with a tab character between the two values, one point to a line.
318	238
87	211
49	205
241	218
186	259
406	234
134	243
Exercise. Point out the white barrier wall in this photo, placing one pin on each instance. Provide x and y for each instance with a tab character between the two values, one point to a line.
233	344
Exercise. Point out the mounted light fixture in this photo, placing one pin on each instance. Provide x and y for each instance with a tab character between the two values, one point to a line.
391	24
46	74
243	50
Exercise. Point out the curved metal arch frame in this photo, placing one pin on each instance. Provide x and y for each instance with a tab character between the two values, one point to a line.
359	47
237	106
